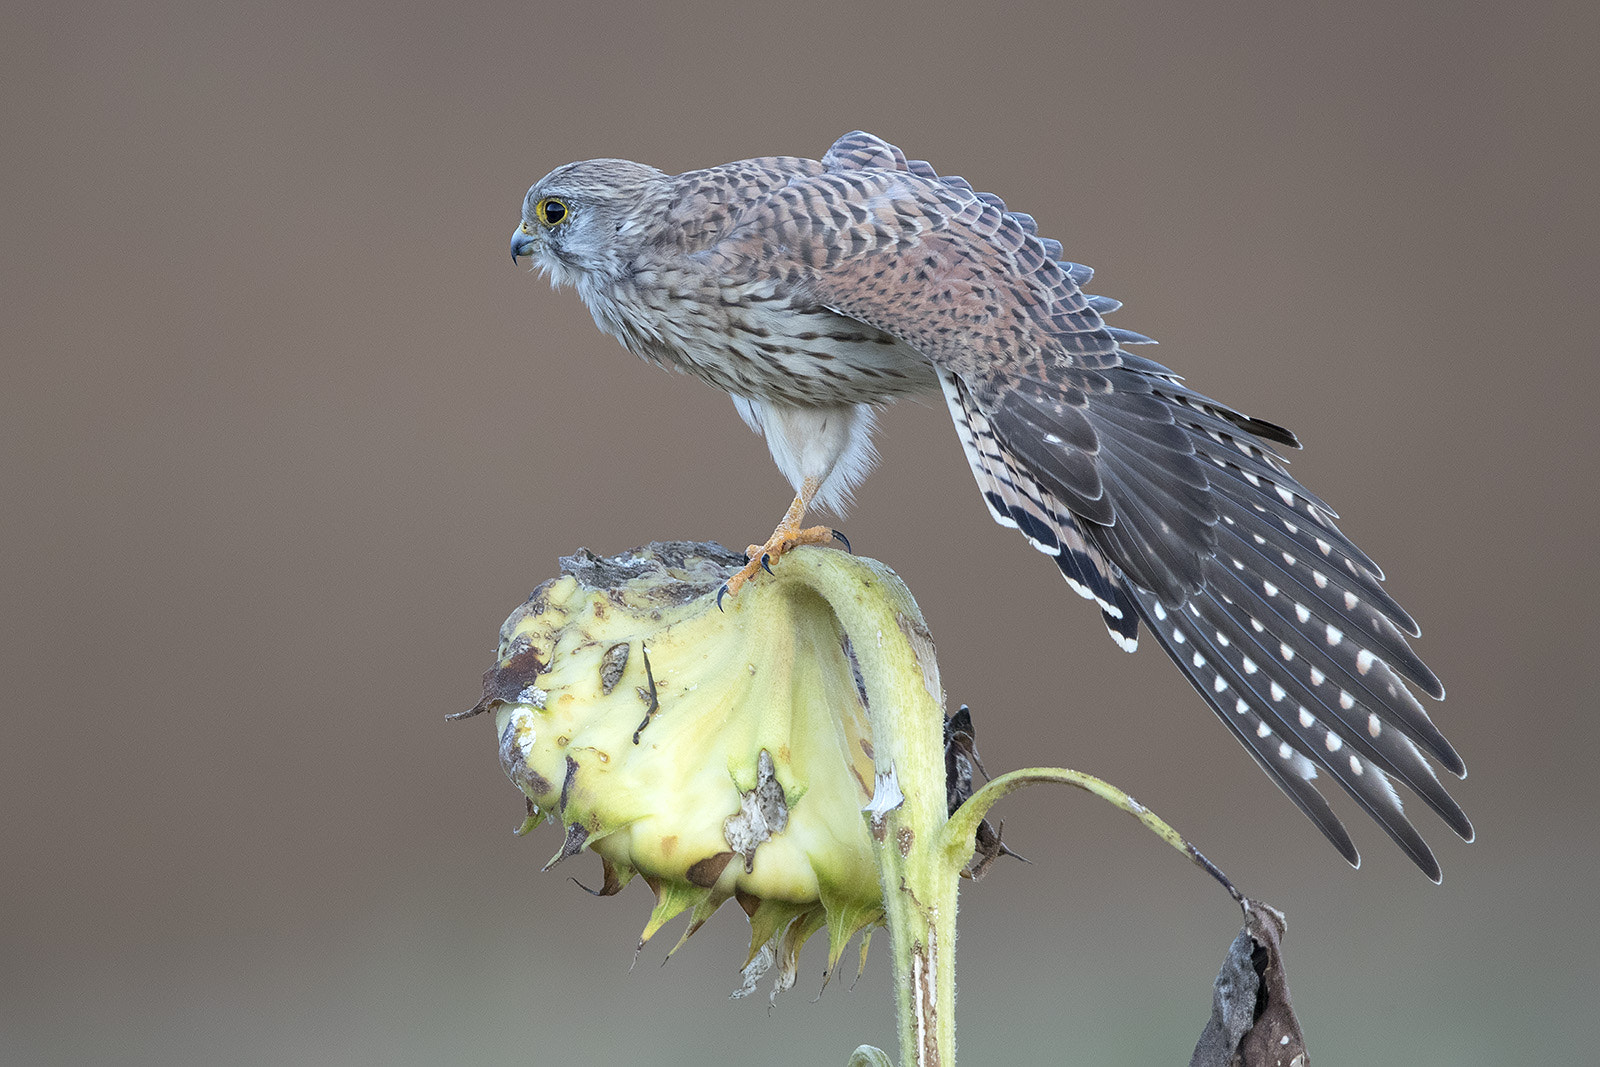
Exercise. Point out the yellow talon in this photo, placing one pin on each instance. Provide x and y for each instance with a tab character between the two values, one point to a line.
787	536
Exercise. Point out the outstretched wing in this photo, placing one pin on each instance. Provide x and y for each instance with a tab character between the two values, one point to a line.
1159	503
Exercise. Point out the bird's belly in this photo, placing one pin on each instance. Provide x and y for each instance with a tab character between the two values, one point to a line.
809	358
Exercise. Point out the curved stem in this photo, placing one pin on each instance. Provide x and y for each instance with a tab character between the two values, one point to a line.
959	831
907	817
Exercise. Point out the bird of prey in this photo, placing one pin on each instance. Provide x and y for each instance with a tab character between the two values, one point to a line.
815	291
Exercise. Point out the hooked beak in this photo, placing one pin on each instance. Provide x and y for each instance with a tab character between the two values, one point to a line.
522	242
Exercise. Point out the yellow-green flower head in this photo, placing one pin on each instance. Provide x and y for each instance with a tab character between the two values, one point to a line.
719	754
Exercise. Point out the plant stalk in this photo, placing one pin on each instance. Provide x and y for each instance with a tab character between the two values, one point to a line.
906	707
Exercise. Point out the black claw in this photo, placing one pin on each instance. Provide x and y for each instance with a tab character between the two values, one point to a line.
837	536
720	594
766	563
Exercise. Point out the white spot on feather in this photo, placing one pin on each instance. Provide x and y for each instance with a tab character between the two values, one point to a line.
1077	586
1333	742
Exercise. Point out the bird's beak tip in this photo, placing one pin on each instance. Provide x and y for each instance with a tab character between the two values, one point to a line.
521	242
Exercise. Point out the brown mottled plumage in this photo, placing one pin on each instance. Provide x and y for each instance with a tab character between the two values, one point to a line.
814	292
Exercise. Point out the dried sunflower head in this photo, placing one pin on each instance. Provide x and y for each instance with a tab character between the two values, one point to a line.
718	754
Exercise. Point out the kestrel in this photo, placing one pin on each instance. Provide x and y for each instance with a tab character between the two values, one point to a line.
814	292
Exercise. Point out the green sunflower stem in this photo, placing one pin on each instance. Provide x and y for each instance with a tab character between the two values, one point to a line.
908	815
957	836
920	851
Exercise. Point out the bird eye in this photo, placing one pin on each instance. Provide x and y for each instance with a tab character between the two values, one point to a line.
552	211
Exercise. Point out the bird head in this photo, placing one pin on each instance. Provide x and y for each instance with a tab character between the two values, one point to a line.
577	220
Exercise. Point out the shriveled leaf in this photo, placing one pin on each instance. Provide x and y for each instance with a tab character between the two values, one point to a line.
1252	1022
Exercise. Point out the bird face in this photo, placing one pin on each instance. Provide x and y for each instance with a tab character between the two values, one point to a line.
578	220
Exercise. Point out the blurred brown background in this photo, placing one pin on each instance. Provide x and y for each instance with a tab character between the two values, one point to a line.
285	436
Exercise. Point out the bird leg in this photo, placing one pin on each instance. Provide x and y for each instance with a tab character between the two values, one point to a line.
789	534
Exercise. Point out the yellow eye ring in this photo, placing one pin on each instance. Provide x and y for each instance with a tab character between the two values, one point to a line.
552	211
